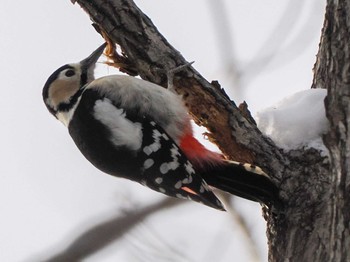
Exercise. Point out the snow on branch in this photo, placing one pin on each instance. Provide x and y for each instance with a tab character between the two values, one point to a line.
297	121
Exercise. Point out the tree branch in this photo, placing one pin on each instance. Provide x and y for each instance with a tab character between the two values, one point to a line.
99	236
303	175
124	24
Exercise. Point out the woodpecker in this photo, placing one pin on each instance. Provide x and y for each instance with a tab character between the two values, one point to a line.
134	129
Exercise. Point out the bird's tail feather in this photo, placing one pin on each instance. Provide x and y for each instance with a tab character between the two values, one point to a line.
243	180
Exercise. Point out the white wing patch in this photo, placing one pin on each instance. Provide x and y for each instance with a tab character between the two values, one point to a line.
124	132
152	100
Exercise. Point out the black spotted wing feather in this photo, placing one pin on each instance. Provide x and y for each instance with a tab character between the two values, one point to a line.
158	163
166	169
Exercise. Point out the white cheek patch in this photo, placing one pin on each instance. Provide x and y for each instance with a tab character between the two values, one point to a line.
124	132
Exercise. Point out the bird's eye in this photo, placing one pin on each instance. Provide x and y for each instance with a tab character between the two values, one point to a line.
70	73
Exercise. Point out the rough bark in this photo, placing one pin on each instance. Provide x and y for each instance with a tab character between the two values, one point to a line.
151	56
332	71
312	225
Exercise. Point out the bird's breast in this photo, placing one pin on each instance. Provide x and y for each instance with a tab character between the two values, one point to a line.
94	138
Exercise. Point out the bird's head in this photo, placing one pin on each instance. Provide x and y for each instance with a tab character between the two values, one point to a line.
64	87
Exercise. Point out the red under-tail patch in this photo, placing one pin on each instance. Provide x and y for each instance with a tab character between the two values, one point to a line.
197	153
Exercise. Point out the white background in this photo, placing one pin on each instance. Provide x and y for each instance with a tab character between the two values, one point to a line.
49	193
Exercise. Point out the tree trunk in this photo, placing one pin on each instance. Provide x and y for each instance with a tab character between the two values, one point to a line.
313	222
332	71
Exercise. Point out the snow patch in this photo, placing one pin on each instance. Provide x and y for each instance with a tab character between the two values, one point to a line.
296	121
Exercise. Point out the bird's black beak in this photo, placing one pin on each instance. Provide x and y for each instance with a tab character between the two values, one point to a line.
88	65
90	61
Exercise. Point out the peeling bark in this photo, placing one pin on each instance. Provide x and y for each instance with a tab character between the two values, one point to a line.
152	56
313	224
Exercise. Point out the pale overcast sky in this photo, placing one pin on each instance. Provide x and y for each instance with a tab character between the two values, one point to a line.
49	193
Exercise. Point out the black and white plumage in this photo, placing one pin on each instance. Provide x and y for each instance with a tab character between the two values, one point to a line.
134	129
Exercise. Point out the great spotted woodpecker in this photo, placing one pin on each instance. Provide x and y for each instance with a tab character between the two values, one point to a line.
134	129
